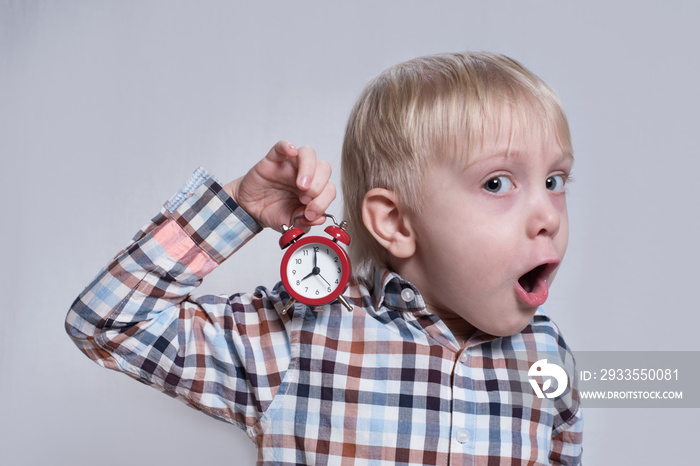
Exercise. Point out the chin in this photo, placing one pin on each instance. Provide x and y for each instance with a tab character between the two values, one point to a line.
506	328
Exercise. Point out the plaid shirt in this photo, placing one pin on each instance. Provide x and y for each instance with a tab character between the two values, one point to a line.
384	384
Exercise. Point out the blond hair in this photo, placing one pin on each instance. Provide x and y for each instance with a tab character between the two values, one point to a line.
429	107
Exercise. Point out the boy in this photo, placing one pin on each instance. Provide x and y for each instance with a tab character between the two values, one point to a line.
454	169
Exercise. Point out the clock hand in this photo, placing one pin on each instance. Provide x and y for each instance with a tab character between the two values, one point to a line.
324	279
314	271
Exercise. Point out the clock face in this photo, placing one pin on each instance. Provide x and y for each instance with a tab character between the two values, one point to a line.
316	270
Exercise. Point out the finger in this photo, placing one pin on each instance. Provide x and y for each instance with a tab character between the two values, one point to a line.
306	163
320	179
282	151
320	203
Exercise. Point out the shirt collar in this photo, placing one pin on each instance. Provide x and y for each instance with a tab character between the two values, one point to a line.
395	293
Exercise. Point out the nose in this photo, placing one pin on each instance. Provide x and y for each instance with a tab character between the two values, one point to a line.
544	216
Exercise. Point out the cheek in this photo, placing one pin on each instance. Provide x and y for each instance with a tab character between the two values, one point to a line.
563	234
493	234
485	254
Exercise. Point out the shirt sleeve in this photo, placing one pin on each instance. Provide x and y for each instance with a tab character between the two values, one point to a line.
567	436
224	355
567	429
567	443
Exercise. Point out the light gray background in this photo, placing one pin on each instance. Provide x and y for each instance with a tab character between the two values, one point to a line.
107	107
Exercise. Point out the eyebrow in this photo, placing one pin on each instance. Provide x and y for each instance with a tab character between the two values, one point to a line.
565	156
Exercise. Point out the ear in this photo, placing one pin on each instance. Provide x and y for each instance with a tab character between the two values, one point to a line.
385	220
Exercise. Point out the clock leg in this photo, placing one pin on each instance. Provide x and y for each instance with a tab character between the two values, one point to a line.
345	303
287	306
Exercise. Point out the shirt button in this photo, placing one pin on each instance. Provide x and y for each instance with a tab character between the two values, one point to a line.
463	357
408	295
462	436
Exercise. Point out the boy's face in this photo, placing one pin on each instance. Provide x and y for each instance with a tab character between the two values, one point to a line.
492	233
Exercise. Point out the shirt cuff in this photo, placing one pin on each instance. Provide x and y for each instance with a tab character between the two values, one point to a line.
210	216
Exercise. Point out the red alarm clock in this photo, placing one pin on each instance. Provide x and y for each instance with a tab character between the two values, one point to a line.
315	270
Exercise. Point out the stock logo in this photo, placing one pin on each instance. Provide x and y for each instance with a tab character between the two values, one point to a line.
548	372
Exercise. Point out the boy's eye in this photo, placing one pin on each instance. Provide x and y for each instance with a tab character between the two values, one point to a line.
498	184
555	183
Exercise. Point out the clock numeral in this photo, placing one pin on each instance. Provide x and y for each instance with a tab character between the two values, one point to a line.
329	289
317	292
297	261
298	282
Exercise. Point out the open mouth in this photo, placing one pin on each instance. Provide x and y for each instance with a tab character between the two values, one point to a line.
531	279
533	286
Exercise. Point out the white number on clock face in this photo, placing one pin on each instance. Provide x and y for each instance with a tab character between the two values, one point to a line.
314	270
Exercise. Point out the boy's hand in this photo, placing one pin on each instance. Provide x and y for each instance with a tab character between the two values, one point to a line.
286	183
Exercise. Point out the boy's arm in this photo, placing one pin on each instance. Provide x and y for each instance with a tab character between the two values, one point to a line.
137	315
